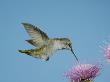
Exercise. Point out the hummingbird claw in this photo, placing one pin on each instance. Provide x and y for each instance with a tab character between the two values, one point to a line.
47	59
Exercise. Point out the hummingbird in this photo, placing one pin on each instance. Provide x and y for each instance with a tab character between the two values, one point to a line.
45	47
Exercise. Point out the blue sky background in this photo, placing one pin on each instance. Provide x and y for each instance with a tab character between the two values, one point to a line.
85	22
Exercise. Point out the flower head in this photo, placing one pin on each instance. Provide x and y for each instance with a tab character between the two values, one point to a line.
107	53
83	73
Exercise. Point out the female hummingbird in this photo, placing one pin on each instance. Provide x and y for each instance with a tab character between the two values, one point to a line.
45	46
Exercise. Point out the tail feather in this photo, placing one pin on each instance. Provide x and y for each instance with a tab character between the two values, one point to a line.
28	52
31	53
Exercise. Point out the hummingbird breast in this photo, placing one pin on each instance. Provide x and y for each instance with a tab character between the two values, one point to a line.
52	47
49	49
57	45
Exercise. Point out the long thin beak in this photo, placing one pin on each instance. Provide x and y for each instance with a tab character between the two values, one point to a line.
74	54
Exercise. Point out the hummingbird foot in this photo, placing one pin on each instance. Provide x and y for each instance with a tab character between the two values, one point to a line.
45	57
25	51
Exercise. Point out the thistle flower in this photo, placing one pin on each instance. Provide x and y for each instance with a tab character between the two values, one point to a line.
107	53
83	73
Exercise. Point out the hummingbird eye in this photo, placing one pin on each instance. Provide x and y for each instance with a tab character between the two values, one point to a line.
67	44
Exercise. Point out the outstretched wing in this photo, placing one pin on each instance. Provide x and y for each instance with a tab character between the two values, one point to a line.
38	37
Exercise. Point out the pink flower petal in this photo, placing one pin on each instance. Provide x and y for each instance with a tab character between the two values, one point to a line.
83	72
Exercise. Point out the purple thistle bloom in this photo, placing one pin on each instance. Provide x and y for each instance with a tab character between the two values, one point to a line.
107	53
83	73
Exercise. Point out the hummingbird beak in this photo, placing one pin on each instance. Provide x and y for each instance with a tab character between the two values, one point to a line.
73	53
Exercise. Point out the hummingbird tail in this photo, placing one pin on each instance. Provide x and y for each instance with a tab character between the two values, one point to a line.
28	52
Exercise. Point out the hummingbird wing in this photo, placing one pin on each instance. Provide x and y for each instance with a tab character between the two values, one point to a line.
38	37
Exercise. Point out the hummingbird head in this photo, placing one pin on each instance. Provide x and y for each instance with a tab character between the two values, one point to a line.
67	44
